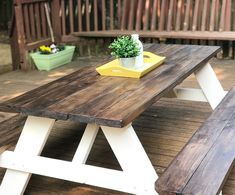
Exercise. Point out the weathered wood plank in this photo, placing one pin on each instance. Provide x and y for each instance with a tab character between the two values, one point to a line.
10	130
113	101
87	15
79	16
139	15
194	160
71	17
209	167
203	35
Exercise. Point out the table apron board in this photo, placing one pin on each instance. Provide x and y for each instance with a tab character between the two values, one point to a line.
137	175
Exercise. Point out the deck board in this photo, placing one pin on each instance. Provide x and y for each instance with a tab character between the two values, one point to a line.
163	129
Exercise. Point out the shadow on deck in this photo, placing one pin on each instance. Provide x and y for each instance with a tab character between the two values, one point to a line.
163	129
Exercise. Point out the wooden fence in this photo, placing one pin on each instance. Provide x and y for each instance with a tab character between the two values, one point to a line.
73	19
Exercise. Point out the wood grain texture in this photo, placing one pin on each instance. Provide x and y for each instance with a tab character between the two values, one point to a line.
202	35
10	130
88	97
206	160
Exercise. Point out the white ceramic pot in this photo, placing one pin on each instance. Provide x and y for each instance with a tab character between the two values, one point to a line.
128	62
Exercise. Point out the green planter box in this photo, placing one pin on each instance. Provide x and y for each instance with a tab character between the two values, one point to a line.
51	61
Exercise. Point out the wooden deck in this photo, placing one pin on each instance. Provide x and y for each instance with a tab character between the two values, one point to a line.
163	129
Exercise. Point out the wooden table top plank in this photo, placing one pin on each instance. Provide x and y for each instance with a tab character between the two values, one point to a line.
113	101
50	93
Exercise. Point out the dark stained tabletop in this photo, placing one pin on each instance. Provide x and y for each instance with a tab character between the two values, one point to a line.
86	96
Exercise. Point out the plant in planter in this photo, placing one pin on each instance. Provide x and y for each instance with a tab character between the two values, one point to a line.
51	57
126	49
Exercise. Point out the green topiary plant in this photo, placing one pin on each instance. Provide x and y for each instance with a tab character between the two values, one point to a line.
124	47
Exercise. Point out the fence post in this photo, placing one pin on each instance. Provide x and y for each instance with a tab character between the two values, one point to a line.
17	35
56	19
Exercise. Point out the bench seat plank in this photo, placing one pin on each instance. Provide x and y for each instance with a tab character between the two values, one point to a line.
206	35
216	166
204	163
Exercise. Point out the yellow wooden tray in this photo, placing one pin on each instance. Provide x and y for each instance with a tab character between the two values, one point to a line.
113	68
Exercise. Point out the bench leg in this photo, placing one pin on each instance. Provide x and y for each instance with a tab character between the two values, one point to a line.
210	85
31	142
132	158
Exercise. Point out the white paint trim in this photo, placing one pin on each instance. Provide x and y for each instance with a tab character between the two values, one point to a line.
210	85
190	94
70	171
86	143
31	142
132	157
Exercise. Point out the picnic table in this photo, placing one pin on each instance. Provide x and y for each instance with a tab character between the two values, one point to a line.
109	104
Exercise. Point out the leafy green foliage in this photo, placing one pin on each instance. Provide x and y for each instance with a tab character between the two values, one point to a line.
124	47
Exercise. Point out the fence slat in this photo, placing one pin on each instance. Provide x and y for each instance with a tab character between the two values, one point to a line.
43	19
187	15
38	21
95	5
146	15
111	15
195	15
234	20
32	22
228	15
79	15
222	17
63	17
56	20
163	15
26	23
154	15
103	15
130	18
178	15
119	11
139	15
124	14
212	18
170	15
204	15
87	15
71	16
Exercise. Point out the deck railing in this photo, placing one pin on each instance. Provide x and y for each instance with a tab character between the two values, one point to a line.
73	17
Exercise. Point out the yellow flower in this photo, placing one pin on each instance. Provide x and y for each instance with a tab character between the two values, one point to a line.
45	49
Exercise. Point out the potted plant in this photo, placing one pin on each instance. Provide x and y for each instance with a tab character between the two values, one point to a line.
126	49
48	58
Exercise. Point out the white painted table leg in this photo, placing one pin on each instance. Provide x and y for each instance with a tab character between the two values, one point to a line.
132	158
210	85
31	142
86	143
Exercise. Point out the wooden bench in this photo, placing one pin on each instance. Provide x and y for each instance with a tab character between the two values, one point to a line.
158	19
10	130
201	20
206	160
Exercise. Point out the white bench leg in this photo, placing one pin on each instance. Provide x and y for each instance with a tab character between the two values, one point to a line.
31	141
210	85
132	158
